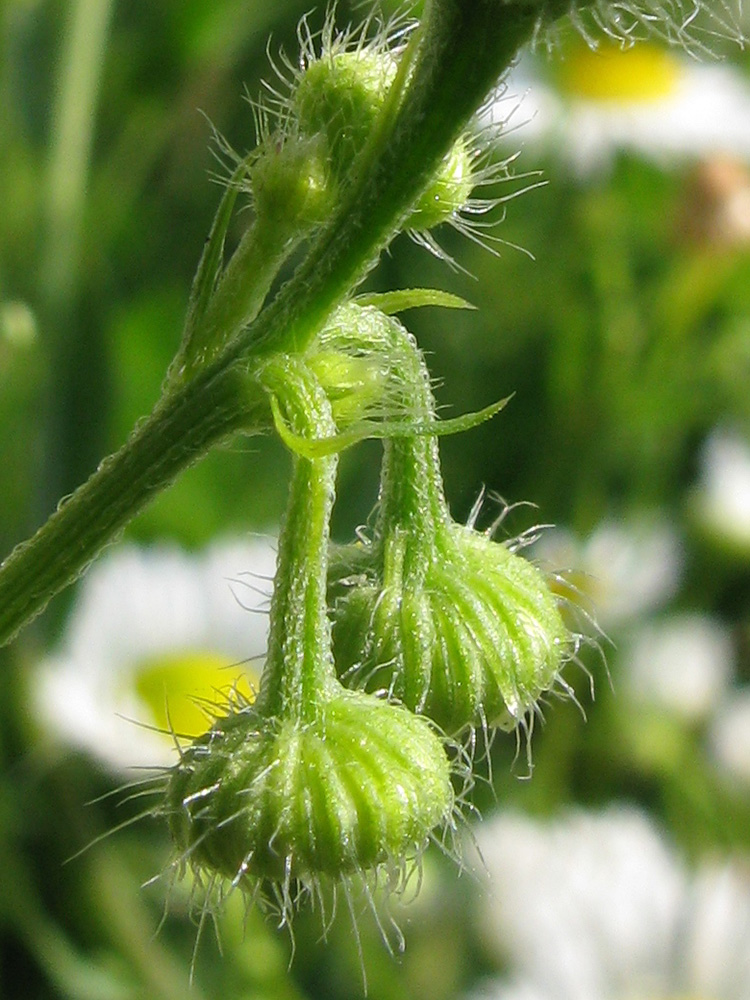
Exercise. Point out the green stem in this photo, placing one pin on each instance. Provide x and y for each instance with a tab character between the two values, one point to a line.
411	485
459	52
240	293
299	666
183	426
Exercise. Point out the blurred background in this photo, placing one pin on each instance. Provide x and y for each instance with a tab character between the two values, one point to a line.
615	309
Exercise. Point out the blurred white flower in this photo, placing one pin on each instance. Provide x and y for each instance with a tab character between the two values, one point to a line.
155	637
683	663
622	570
722	497
729	735
598	907
647	100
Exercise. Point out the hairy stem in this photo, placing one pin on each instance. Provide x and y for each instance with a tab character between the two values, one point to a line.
300	663
182	428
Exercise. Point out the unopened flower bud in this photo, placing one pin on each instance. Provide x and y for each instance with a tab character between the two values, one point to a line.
340	96
289	184
363	784
453	624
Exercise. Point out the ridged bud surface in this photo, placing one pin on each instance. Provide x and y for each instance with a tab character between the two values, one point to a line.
364	783
475	640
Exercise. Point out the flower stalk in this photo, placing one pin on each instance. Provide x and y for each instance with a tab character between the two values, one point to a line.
311	780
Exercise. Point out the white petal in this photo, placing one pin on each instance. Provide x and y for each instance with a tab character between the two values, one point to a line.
683	664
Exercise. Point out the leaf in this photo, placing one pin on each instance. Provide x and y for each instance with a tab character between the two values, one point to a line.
411	298
312	448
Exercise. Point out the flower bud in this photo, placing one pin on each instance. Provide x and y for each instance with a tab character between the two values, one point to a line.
363	784
340	96
289	185
353	383
454	625
310	780
473	640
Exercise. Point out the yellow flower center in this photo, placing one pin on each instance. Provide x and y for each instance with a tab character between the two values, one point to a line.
641	73
181	688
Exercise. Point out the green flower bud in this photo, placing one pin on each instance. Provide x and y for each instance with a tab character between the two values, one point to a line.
471	635
354	384
310	781
289	185
449	191
456	626
340	95
363	784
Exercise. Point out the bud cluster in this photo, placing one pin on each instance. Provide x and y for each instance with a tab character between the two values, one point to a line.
331	112
337	769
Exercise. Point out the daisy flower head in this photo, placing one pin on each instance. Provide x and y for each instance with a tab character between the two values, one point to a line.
599	905
157	636
646	100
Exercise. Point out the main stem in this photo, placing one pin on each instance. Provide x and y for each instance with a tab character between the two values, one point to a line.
183	427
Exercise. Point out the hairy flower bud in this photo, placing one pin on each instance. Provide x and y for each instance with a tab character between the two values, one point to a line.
340	95
363	784
473	637
289	184
453	624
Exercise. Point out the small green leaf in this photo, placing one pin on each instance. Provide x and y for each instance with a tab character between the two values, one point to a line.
211	261
312	448
411	298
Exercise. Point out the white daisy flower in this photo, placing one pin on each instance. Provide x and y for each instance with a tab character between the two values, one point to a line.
598	907
622	570
648	100
684	664
722	496
156	636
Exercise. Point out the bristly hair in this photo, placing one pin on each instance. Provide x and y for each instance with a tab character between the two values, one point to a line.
698	27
